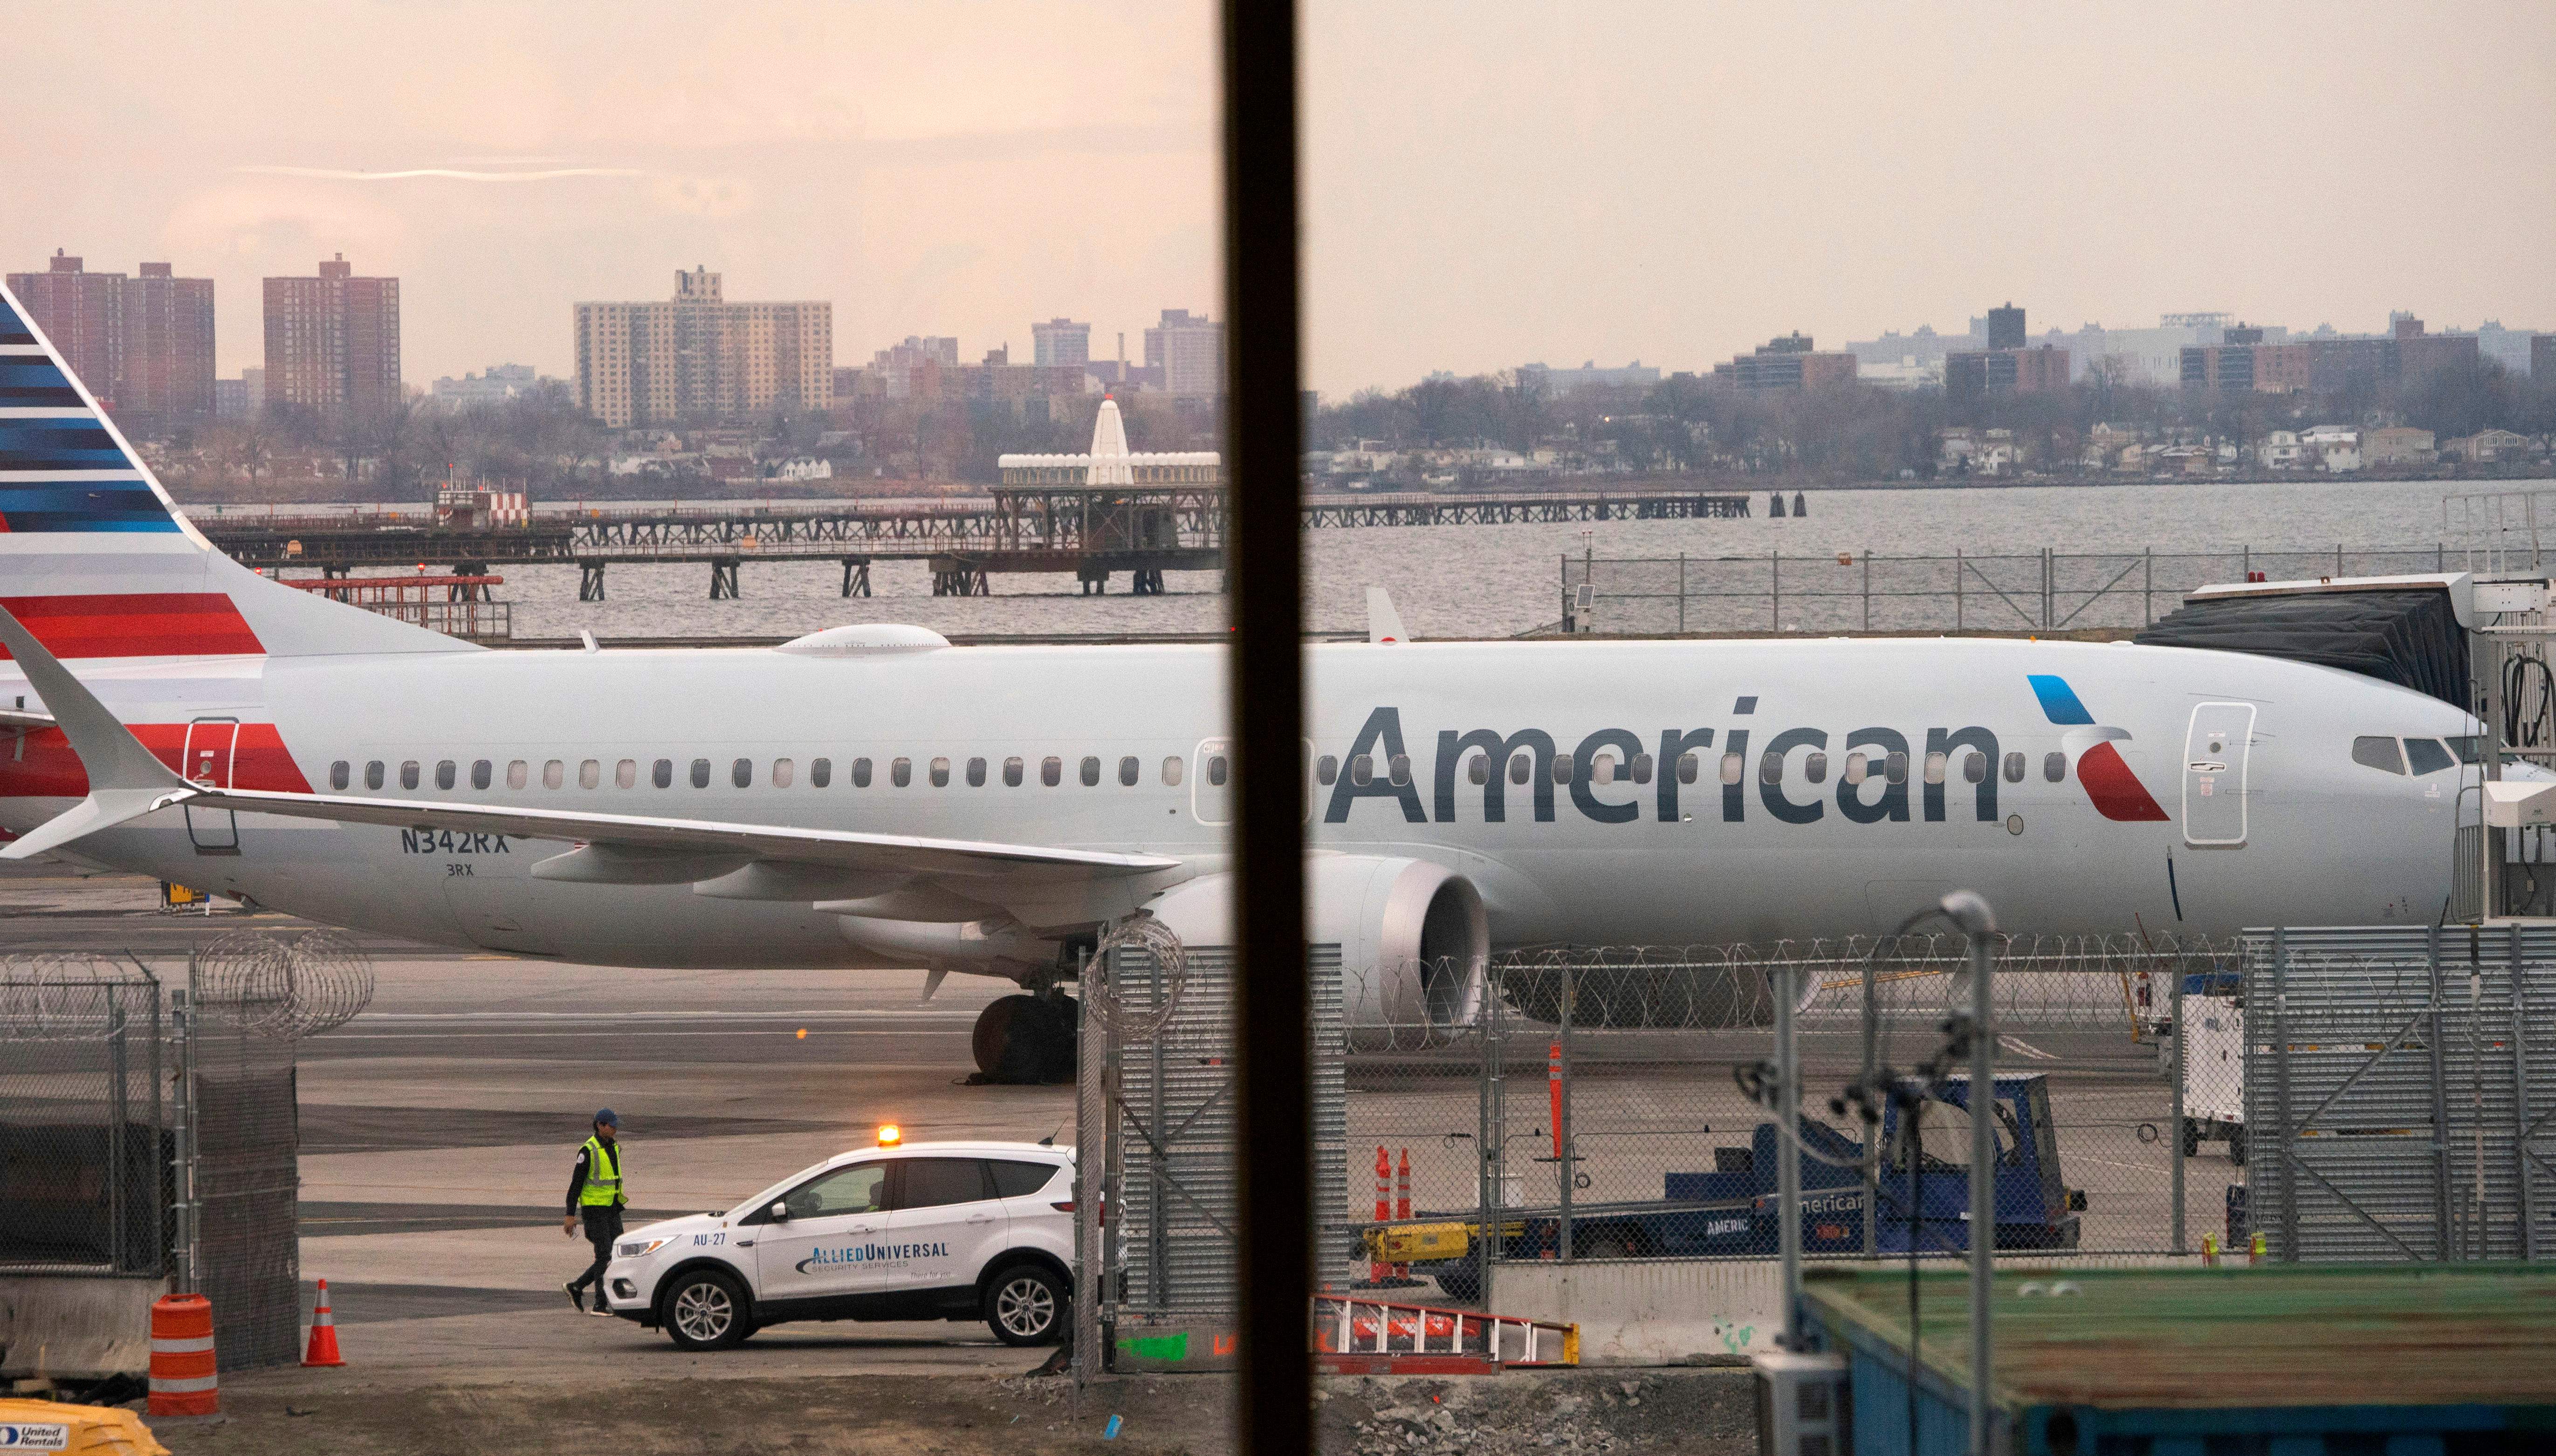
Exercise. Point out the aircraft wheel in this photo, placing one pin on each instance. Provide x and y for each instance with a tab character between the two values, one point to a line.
1025	1039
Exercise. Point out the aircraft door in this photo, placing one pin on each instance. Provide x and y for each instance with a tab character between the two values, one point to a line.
211	742
2215	755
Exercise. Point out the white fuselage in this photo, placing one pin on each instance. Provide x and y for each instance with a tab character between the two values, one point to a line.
1643	856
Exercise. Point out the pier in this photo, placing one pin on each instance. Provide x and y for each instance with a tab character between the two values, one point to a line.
1092	532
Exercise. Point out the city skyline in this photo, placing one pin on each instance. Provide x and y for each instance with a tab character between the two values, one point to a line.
1181	355
1677	187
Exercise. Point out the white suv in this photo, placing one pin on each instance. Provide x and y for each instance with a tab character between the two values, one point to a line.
924	1230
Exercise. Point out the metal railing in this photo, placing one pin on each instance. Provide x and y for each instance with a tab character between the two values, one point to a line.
2044	591
473	621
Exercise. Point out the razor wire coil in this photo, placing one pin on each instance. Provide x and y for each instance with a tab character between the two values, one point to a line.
1105	998
282	989
68	996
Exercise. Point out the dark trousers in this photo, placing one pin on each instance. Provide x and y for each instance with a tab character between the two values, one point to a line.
603	1226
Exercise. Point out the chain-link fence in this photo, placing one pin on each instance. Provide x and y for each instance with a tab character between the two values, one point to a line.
1861	591
85	1144
154	1134
253	996
1594	1112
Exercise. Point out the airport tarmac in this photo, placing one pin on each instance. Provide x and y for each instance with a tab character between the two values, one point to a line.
438	1127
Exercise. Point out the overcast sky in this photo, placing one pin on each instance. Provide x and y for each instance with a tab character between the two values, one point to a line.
1489	182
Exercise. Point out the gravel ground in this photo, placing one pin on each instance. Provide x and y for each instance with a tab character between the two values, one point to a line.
1682	1412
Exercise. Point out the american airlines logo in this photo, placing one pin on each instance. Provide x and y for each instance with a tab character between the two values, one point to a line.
2107	775
1488	771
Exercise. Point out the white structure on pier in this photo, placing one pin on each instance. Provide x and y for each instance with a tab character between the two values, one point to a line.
1111	462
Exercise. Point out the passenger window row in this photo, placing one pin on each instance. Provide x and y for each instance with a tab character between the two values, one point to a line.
1604	768
782	773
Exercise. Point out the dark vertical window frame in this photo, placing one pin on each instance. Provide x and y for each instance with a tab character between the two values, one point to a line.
1266	712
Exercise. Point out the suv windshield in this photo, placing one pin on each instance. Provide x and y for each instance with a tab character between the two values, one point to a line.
859	1188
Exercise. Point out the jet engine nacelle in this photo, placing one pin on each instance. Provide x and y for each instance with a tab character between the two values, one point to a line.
1413	936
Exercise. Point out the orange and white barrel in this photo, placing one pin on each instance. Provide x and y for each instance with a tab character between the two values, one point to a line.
183	1381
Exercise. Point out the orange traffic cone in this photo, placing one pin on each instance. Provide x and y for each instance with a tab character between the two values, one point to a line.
324	1333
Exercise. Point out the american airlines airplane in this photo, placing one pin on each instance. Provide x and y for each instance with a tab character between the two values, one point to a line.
873	796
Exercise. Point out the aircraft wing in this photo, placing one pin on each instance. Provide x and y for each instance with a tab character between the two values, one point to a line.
846	849
127	781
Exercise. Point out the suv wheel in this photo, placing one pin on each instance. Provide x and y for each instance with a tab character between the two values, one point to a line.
1025	1304
706	1310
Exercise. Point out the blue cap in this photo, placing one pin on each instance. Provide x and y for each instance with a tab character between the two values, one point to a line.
606	1118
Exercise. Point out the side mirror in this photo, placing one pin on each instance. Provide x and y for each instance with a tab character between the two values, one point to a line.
780	1212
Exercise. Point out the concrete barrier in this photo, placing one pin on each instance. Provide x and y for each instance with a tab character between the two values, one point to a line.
75	1328
1651	1311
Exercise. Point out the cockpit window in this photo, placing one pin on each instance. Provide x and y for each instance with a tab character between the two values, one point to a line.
2377	753
2426	755
2469	750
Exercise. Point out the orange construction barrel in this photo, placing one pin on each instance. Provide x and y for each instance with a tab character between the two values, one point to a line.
183	1381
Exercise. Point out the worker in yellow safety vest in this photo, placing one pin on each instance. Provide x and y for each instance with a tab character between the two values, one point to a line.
595	1195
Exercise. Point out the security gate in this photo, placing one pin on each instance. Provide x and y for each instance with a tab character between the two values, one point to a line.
2400	1093
1172	1154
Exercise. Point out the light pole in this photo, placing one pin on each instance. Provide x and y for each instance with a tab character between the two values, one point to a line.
1970	914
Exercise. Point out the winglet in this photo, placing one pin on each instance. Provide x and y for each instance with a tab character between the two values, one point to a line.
124	780
1384	623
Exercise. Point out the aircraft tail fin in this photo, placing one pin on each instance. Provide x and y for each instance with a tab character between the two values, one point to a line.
98	562
1384	623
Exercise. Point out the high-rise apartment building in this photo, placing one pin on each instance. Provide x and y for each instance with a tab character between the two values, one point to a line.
1190	351
332	342
142	343
697	358
2006	327
1060	342
167	345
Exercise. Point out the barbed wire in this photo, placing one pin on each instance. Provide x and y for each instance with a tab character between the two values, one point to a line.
71	996
284	989
1102	1000
2052	982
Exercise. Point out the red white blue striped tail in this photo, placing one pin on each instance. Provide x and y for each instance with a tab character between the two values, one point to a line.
99	563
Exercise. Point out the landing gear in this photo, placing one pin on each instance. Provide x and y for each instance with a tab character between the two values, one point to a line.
1026	1039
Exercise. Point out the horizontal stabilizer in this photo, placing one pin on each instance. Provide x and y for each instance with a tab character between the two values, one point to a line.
126	781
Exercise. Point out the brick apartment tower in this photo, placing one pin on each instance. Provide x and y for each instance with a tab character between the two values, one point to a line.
332	342
142	343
